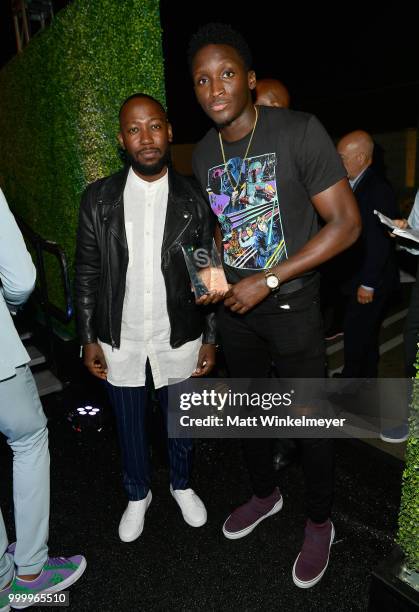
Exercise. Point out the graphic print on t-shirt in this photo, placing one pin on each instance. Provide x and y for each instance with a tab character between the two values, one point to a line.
243	195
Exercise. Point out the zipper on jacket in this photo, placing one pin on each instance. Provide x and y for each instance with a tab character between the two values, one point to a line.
180	234
113	344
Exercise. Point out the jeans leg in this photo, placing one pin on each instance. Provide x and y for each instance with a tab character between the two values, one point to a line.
304	331
247	356
318	467
23	422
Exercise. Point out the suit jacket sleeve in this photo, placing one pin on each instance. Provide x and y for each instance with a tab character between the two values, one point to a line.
377	244
17	272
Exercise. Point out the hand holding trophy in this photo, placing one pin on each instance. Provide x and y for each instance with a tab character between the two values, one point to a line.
206	273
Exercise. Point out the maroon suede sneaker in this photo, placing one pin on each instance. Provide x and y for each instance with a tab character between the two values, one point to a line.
245	518
311	563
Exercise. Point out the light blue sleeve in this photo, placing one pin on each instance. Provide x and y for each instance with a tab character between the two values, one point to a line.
413	222
413	219
17	272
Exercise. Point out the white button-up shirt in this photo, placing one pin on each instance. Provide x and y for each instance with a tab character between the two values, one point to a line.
145	328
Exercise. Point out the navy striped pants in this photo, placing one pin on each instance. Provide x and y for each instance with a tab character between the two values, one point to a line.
130	405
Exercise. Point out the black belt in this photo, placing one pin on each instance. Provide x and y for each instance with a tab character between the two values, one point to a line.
295	284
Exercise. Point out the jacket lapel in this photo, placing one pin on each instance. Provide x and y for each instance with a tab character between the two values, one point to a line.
113	197
178	214
359	185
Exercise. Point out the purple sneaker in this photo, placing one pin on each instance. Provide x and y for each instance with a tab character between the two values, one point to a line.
245	518
5	592
57	574
311	563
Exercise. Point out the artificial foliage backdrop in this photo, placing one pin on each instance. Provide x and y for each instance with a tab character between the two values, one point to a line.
59	102
408	535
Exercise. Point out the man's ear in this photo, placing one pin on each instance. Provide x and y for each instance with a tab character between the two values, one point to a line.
169	133
251	79
121	140
362	158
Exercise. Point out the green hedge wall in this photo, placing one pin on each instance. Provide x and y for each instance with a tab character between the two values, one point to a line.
59	102
408	535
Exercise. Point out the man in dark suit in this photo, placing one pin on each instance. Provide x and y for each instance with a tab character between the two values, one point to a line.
369	270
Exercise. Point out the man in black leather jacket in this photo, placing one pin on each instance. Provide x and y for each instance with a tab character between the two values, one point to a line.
134	301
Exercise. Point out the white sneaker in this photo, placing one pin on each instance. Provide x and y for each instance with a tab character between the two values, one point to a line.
192	507
132	521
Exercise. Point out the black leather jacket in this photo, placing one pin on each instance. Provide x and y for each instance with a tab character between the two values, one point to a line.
102	260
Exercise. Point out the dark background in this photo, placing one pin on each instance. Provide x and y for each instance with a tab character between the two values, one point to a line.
352	69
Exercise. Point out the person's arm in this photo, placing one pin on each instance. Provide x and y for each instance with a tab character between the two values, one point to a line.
338	208
17	272
87	270
206	357
401	224
377	244
94	360
413	219
206	360
86	283
413	222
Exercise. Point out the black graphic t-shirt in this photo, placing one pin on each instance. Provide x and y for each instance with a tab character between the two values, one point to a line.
263	202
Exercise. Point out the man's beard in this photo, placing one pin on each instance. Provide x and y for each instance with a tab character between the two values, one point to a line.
149	169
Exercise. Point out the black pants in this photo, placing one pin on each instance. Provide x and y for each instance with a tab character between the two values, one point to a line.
361	328
292	338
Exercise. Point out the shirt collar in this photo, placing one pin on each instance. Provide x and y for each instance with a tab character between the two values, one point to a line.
354	182
134	179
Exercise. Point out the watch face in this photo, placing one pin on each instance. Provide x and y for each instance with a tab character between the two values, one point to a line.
272	282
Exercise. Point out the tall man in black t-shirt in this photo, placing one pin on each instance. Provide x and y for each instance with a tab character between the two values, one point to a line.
270	172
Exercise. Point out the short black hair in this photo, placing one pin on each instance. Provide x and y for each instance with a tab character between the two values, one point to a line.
140	95
219	34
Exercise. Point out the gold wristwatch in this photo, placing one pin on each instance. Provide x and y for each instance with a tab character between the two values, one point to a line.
272	281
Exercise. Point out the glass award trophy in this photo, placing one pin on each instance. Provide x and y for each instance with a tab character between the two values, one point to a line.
205	269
